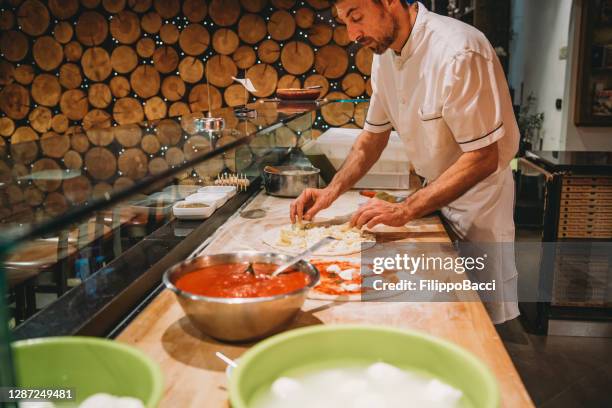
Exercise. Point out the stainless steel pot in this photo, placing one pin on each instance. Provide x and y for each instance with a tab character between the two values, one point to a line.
282	181
239	319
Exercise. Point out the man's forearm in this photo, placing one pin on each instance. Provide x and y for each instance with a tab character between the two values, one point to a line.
470	169
363	155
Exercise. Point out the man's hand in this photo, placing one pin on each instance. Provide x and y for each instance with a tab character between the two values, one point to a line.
310	202
381	212
365	152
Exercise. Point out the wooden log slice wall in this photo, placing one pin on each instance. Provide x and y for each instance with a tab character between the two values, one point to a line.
71	70
40	119
7	73
268	52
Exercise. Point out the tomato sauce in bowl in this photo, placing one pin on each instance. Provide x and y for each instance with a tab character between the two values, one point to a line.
230	280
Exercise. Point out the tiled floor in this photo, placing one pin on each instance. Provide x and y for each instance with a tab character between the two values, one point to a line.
560	371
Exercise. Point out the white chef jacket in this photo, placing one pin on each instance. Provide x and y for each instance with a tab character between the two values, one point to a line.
447	94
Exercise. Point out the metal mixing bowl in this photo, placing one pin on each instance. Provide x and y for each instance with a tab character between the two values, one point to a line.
278	183
239	319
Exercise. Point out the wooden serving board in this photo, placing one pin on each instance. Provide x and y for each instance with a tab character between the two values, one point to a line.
195	377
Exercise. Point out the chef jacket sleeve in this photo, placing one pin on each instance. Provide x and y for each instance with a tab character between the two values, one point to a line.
472	106
377	120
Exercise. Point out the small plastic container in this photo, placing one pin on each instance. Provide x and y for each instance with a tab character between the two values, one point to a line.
214	199
229	190
152	205
192	210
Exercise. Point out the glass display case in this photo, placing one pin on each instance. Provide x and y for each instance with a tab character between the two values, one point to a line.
86	216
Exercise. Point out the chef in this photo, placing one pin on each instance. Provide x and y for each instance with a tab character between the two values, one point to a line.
439	83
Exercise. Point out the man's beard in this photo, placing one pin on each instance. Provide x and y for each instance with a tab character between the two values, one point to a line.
379	47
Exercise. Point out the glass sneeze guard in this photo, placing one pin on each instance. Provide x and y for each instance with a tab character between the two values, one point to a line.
89	209
53	180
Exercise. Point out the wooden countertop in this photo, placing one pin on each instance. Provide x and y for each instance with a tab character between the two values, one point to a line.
195	377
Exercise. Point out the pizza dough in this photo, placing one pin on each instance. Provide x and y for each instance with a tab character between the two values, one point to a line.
293	239
340	281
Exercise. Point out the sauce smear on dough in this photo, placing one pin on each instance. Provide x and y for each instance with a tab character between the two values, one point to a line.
331	283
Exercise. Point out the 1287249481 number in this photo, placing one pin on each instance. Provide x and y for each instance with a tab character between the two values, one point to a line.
15	394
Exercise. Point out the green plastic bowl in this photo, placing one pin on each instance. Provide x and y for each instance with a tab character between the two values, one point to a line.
332	345
89	366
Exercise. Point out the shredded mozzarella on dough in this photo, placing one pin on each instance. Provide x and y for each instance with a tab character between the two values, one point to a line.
348	239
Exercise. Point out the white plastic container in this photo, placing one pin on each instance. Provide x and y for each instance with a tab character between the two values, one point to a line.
392	171
384	181
198	213
229	190
214	199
